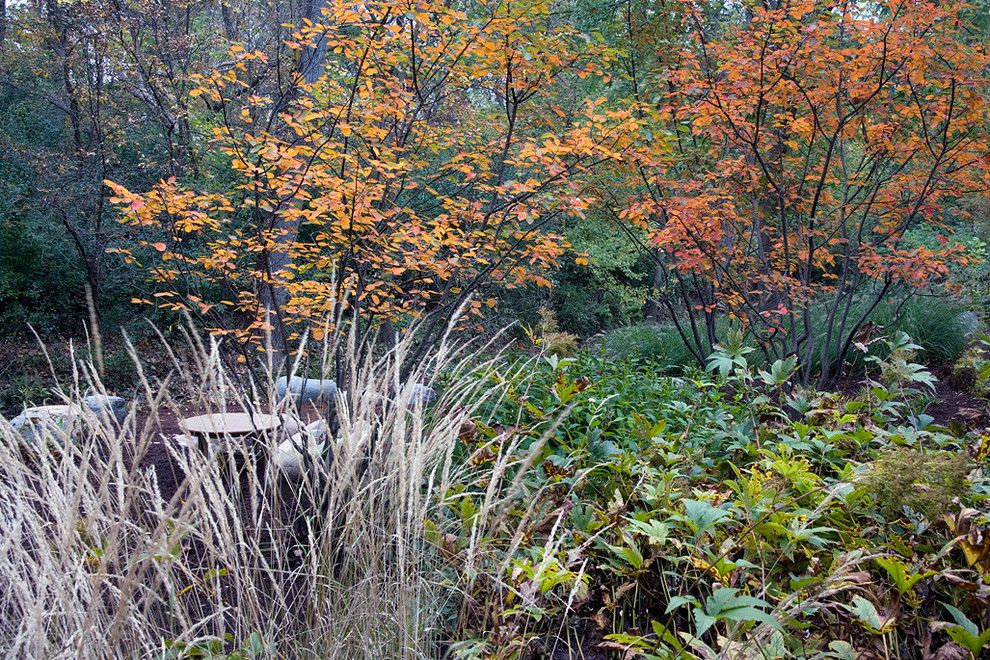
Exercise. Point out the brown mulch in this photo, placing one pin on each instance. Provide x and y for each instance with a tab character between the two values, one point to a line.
159	458
952	407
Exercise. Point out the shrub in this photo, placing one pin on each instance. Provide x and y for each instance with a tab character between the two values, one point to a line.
25	388
932	323
39	285
660	345
562	344
971	373
549	337
973	277
608	290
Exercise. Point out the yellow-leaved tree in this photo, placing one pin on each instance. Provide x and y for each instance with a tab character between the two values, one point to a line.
421	151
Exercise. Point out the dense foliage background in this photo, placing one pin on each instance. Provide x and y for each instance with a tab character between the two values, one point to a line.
138	94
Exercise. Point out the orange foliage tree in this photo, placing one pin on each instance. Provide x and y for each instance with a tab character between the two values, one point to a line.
428	155
808	138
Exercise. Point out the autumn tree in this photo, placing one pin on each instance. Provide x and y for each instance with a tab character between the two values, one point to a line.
432	156
807	138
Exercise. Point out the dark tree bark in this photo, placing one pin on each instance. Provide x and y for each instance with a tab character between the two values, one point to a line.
3	23
652	310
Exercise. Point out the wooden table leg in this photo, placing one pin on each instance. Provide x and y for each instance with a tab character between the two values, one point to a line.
204	443
253	449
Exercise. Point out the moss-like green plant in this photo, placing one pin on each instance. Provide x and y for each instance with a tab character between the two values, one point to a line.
550	338
927	483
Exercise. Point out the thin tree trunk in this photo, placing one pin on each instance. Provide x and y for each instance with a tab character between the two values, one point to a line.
652	311
3	23
228	22
274	295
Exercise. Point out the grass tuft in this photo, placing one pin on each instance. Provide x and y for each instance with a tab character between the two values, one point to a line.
99	559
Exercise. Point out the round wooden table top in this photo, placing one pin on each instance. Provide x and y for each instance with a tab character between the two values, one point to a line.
235	424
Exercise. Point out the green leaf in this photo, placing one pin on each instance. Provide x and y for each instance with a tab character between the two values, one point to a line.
780	371
629	552
468	508
681	601
751	614
666	636
702	622
701	516
963	620
840	650
900	575
726	604
965	639
868	615
721	363
655	531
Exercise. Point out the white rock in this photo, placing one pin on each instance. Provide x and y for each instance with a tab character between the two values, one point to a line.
318	430
290	426
422	395
187	441
289	458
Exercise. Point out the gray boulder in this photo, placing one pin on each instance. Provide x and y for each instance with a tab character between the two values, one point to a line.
422	395
969	321
290	426
305	390
54	422
114	406
319	430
